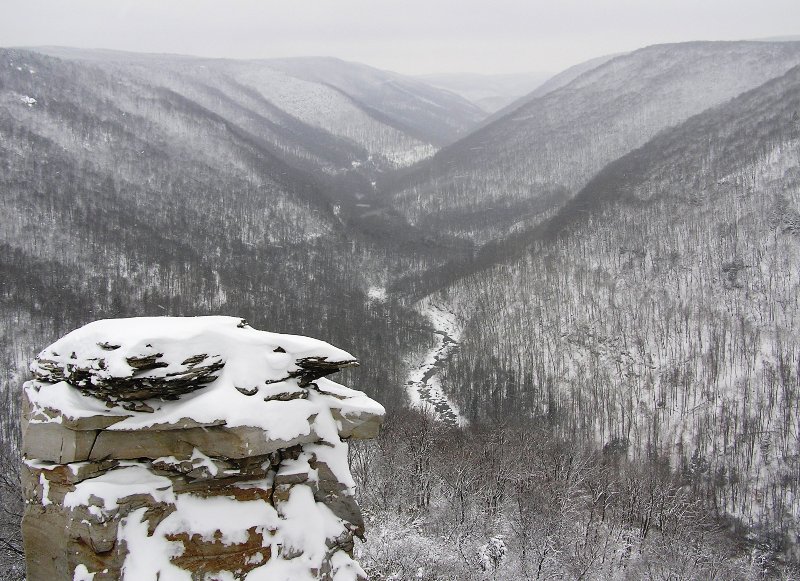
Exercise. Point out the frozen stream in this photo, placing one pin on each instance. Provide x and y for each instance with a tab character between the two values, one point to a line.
424	386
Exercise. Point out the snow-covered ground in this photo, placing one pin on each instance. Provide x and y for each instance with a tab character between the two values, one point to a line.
424	387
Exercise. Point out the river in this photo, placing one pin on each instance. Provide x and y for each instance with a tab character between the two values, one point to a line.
424	384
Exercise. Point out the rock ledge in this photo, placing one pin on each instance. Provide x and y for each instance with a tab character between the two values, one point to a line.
190	448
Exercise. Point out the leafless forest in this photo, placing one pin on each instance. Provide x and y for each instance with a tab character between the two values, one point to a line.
618	253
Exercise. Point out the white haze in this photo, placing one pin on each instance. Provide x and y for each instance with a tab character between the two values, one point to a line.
413	36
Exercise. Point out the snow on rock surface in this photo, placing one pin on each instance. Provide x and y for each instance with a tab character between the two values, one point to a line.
190	448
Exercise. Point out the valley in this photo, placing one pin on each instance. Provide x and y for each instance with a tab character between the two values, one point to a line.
578	302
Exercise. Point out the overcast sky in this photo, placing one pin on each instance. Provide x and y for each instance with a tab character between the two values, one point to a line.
410	36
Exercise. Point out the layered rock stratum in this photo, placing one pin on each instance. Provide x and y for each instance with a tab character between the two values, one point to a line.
190	448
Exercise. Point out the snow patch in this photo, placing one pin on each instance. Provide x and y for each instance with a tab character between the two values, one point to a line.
45	484
81	573
377	293
111	487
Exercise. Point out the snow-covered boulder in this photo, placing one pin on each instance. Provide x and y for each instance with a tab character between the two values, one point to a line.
190	448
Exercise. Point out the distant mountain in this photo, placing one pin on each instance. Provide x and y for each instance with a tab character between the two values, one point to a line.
789	38
513	173
660	318
322	107
489	92
553	83
706	156
407	103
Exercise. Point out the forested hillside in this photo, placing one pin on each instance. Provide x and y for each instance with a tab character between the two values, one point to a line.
616	263
660	319
513	173
327	110
123	196
548	86
512	500
411	105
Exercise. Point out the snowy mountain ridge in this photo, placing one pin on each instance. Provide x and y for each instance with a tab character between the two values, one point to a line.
515	170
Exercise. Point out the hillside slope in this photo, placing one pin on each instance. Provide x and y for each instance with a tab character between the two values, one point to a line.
553	83
662	320
122	197
329	110
410	104
514	172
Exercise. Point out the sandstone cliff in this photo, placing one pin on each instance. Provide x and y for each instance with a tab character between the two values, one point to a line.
190	448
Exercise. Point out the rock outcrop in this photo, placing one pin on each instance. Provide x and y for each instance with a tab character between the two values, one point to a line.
190	448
